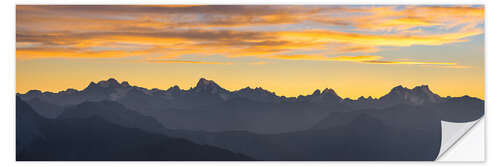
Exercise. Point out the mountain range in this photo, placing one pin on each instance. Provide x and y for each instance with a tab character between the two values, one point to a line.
214	108
246	124
94	138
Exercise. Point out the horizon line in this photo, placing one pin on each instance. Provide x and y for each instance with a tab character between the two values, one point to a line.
201	78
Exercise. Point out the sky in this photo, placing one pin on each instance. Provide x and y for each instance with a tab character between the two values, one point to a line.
360	50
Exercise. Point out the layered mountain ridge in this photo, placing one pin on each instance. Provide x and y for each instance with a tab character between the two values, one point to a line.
93	136
214	108
118	121
111	89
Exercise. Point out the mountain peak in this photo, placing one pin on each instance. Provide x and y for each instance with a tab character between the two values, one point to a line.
328	96
417	89
425	91
204	82
125	84
328	91
174	88
210	86
424	88
108	83
316	92
68	91
399	88
34	92
417	95
399	91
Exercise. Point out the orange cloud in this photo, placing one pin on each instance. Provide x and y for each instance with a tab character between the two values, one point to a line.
159	16
186	61
368	59
155	17
230	43
456	67
390	18
378	40
326	58
356	58
408	62
166	32
30	53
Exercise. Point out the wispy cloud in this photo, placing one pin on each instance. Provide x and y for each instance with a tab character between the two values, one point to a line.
169	32
379	40
368	59
408	62
187	61
224	42
403	18
326	58
456	67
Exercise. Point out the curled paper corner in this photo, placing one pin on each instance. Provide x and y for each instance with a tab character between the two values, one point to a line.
452	132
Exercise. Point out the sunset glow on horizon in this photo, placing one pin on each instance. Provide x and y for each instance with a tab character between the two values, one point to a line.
290	50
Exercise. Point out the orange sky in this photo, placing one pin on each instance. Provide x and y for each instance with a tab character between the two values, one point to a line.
292	50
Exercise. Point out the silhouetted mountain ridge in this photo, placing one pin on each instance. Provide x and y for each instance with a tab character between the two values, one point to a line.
404	124
417	95
112	112
94	138
216	109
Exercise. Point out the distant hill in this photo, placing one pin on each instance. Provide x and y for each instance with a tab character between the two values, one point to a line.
401	132
78	138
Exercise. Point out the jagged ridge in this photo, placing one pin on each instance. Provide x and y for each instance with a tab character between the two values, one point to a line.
115	90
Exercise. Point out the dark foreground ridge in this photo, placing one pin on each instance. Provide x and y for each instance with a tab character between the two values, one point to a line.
96	139
109	120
